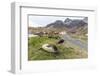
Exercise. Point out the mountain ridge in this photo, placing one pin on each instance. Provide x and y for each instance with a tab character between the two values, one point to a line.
72	25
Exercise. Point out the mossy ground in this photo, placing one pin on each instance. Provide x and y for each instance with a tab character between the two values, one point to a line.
67	50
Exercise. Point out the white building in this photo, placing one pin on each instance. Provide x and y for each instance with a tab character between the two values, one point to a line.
62	33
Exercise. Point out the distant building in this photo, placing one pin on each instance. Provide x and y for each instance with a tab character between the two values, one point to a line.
62	33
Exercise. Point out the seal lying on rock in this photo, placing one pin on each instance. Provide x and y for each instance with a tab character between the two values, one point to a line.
50	48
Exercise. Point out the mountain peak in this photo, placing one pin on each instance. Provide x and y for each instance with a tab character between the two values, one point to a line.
67	21
56	24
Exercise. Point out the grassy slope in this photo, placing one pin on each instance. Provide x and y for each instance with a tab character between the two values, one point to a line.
67	51
81	37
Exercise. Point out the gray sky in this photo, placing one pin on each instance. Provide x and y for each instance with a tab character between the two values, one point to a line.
41	21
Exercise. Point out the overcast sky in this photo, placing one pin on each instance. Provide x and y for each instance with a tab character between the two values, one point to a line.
41	21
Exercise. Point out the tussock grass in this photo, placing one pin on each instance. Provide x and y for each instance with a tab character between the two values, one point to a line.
67	51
